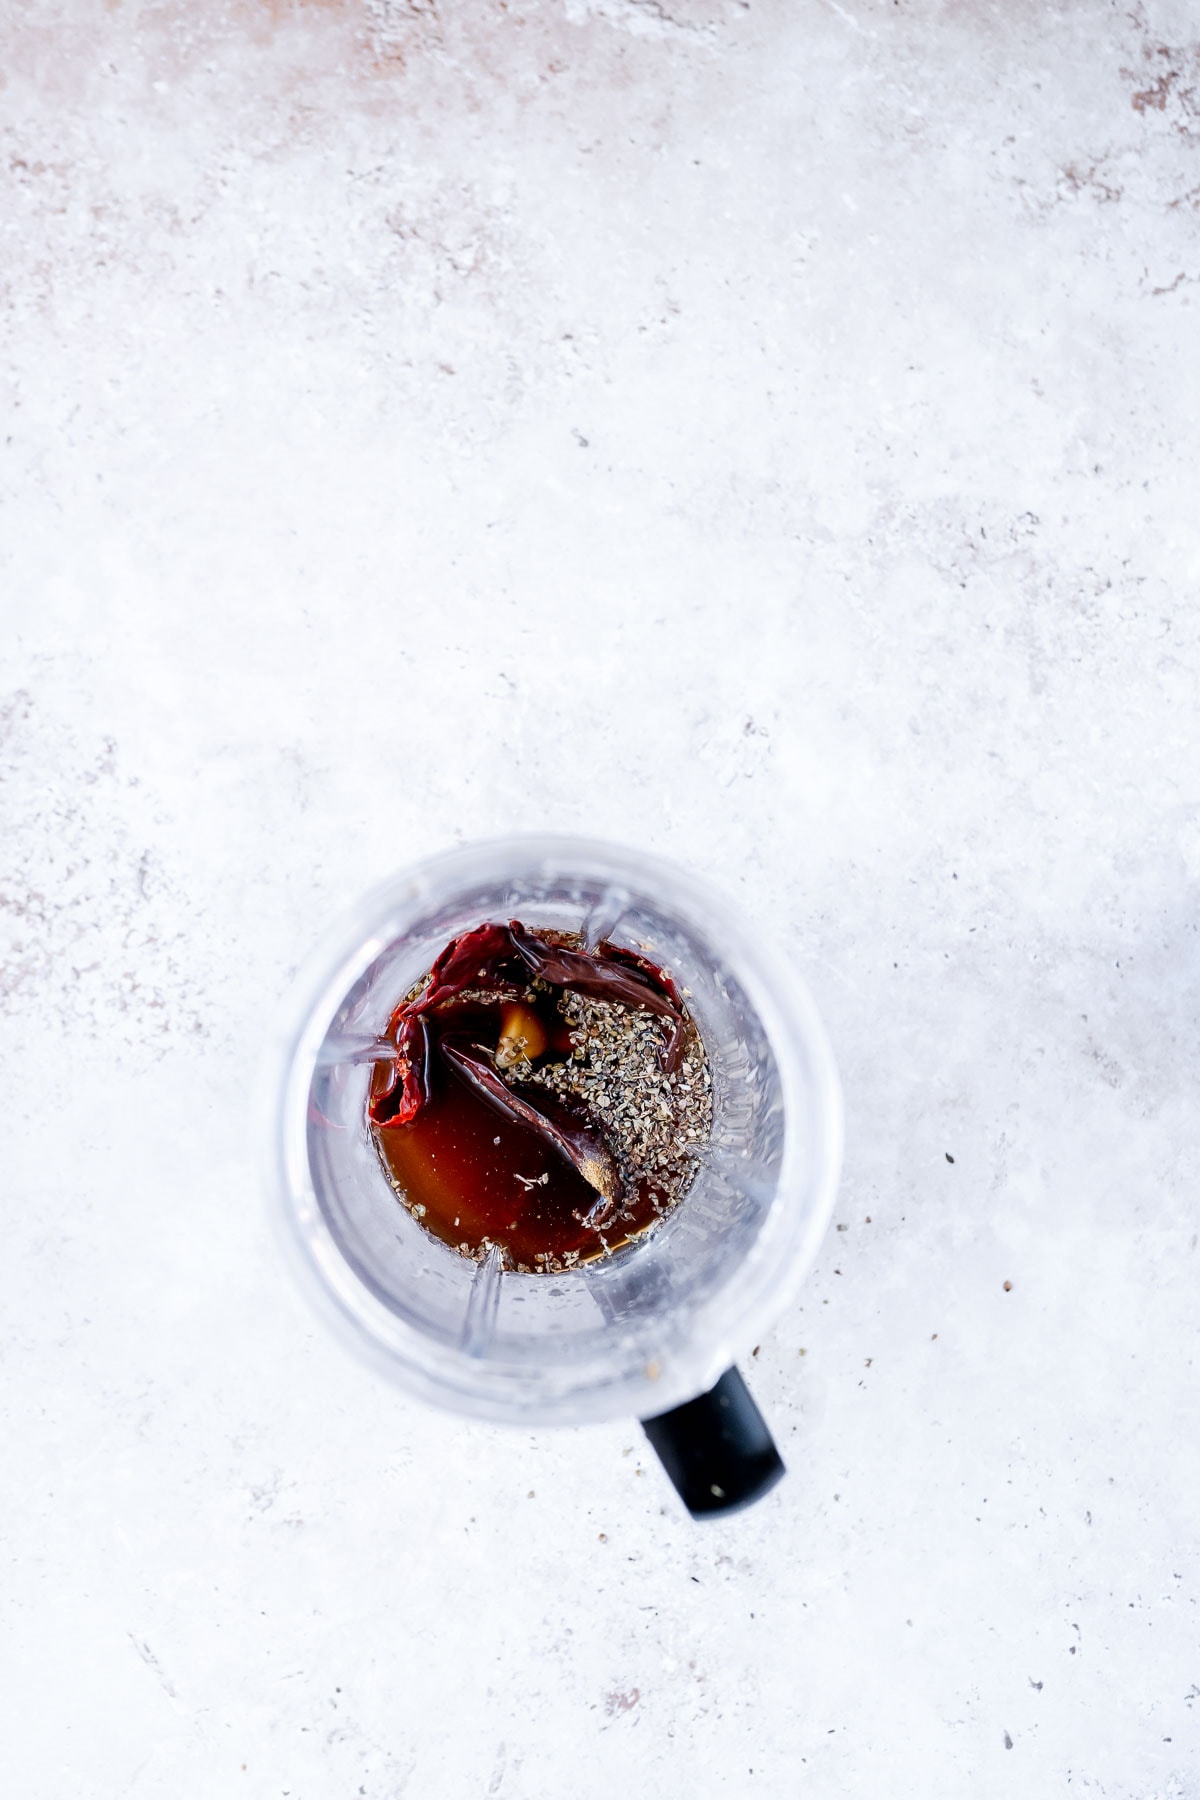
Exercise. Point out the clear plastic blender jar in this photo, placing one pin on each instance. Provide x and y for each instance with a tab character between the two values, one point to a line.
655	1329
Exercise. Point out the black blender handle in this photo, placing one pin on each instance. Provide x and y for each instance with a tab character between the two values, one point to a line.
717	1449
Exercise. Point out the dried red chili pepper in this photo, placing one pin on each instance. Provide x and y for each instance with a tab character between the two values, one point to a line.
656	976
603	978
472	960
593	1159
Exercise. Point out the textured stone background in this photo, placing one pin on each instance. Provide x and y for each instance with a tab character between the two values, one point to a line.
767	432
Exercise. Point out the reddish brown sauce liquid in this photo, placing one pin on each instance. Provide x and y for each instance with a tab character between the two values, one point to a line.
463	1161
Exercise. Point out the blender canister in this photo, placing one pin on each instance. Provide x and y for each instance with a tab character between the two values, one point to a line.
657	1323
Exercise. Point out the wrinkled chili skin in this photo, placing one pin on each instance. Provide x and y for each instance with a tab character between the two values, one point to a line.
469	961
400	1086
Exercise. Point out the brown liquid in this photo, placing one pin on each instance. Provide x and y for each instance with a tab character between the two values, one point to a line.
463	1162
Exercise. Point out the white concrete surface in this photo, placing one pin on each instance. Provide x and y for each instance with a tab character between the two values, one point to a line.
763	431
